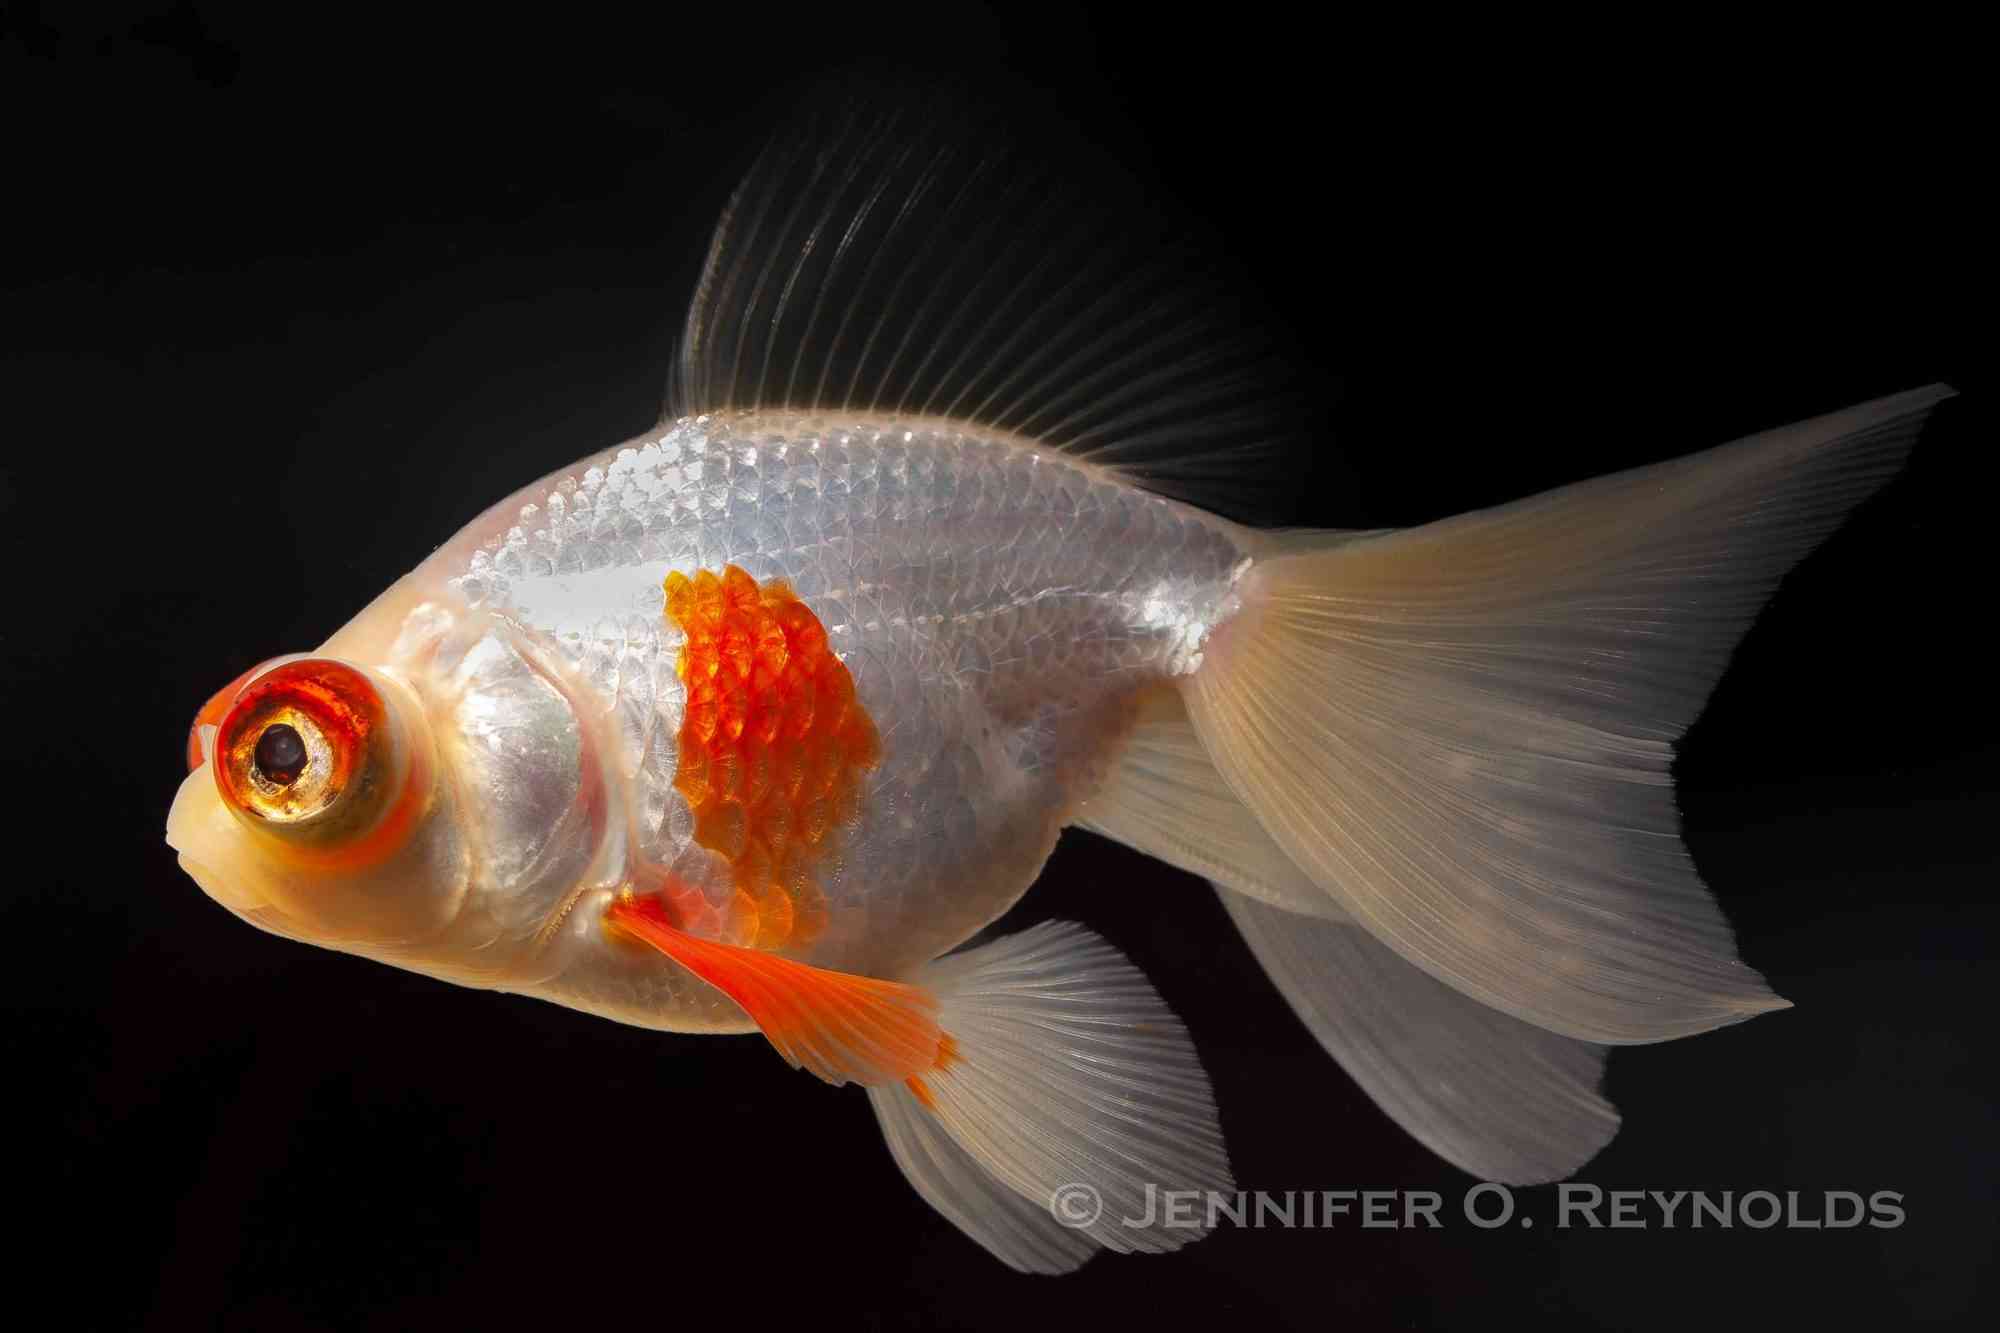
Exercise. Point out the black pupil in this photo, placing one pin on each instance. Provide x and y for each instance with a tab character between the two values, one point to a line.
281	754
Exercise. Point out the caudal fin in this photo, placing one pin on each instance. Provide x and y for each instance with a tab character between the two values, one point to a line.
1069	1096
1499	1098
1503	1099
1462	732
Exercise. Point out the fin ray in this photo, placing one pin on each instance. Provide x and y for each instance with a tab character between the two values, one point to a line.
1166	799
837	1026
1494	1096
1463	732
1021	1232
1047	316
1070	1079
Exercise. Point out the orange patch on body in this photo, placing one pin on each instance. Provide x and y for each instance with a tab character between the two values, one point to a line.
772	747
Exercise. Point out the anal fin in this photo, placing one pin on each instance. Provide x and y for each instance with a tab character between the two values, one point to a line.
1166	799
839	1026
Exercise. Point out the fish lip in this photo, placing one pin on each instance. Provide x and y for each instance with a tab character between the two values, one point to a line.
187	820
179	814
213	885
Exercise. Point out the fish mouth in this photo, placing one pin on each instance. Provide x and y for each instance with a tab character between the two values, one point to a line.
212	884
200	831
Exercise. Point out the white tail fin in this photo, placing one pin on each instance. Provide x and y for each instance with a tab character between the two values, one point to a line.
1502	1099
1462	732
1071	1096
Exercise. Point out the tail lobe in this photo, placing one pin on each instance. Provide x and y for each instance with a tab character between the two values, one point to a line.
1500	1098
1462	732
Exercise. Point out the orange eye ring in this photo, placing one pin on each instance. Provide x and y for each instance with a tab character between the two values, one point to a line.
215	710
307	752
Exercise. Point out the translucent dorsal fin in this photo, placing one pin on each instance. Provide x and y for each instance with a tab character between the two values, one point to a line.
913	261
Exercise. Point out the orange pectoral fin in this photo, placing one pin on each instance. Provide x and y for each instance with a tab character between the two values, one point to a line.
842	1027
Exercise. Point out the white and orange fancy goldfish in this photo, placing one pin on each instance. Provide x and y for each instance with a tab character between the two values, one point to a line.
751	723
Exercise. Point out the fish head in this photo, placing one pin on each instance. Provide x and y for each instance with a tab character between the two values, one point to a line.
313	807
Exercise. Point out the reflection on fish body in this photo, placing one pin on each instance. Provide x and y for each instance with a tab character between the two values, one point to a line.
749	723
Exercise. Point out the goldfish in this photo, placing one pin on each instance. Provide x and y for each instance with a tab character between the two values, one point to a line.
755	723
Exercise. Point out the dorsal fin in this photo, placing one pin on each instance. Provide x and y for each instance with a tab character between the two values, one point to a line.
913	261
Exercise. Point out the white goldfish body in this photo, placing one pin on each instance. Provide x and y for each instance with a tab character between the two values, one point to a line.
748	723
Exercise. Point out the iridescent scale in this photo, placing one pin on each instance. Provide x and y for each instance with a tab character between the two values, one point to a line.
1000	607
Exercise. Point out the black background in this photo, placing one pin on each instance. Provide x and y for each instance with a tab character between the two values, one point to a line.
287	300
